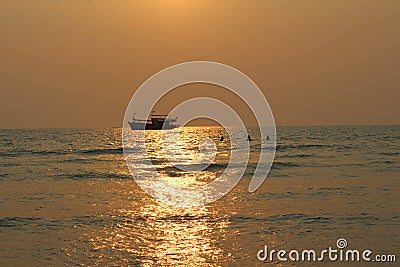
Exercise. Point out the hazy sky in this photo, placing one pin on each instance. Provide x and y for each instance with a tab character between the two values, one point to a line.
77	63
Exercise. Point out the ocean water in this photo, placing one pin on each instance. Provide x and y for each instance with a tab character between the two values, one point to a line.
68	198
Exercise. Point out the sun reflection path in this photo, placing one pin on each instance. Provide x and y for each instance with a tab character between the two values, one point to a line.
206	169
157	234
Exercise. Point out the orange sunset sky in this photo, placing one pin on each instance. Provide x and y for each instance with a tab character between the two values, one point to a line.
77	63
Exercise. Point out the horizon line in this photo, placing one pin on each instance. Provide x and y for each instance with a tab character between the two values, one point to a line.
282	125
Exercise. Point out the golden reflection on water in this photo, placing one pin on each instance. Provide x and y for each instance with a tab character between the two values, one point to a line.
155	234
142	231
186	151
184	239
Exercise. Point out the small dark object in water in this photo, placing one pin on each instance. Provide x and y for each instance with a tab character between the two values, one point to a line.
248	138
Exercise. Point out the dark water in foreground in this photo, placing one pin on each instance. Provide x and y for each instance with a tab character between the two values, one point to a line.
67	198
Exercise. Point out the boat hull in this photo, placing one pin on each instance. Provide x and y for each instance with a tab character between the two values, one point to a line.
151	126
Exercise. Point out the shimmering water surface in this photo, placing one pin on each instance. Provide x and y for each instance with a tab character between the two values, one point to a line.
67	198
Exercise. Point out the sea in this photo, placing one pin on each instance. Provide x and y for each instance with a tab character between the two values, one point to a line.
67	198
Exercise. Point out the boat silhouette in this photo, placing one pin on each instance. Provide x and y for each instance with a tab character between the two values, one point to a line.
155	122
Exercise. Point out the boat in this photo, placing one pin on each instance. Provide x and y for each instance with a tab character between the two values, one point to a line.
156	122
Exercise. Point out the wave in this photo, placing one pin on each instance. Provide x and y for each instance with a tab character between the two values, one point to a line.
93	174
389	153
59	152
283	165
214	167
24	152
38	223
17	221
299	156
101	151
302	146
